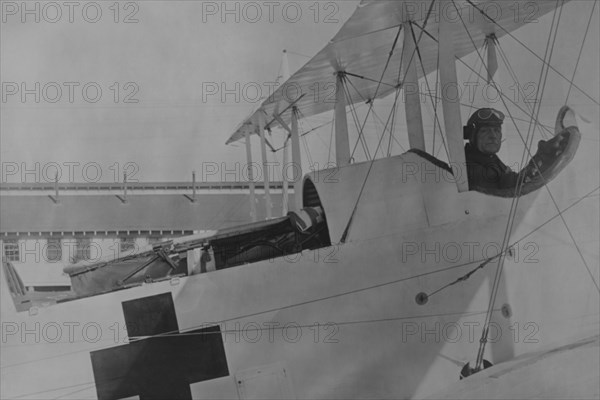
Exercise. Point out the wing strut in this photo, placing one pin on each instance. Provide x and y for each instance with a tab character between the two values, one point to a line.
296	172
260	122
412	100
284	177
285	75
342	144
296	161
250	176
451	103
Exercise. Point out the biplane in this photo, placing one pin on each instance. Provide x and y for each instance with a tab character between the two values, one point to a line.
390	276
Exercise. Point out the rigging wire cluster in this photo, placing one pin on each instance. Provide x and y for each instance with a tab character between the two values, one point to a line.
533	113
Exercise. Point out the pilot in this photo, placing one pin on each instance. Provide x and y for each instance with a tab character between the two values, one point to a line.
484	168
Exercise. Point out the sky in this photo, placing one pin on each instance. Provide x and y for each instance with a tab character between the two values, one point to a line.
154	88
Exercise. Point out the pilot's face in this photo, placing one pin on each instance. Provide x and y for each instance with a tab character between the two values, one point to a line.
489	139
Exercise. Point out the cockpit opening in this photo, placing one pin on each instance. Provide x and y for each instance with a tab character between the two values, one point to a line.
488	174
302	230
305	229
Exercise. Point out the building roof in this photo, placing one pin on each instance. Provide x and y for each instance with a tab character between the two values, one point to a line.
102	213
70	187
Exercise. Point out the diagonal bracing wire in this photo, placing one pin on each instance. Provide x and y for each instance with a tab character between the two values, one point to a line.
376	116
544	130
512	211
531	51
379	83
354	114
544	74
581	50
503	96
349	224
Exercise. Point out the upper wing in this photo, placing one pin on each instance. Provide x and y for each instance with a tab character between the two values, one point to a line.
363	45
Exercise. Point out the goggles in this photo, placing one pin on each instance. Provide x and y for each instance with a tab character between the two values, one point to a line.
489	113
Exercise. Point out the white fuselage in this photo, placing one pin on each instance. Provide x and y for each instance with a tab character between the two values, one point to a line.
342	321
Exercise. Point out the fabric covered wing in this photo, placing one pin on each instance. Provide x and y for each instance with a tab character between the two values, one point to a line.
363	45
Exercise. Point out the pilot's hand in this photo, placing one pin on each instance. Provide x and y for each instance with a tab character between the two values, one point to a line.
548	151
554	146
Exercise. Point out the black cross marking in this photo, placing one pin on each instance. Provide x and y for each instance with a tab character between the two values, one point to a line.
158	367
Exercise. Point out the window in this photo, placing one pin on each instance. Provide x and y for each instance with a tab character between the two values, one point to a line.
82	250
127	244
11	250
53	250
